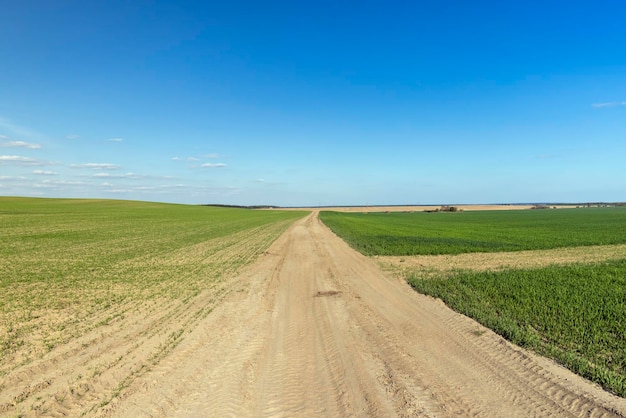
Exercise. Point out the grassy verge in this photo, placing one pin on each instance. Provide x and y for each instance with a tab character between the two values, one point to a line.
481	231
575	314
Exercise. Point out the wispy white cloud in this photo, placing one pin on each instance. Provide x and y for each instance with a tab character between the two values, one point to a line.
64	182
4	142
185	159
130	175
43	186
608	104
20	160
115	139
211	156
45	173
118	176
73	136
97	166
150	188
213	165
118	190
268	182
185	188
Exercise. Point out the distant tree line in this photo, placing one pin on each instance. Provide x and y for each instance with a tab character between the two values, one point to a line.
241	206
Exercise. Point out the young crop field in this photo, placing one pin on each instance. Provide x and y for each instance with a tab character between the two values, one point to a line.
480	231
575	314
553	281
71	268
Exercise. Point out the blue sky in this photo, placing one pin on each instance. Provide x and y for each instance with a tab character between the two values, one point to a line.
316	103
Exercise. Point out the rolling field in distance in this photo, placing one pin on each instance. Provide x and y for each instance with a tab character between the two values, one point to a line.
550	300
480	231
75	268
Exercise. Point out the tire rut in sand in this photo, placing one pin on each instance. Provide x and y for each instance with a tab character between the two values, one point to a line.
300	357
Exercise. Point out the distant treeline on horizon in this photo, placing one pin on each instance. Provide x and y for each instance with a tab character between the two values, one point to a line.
219	205
579	204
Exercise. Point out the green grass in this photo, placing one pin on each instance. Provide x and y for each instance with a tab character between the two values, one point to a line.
482	231
68	265
575	314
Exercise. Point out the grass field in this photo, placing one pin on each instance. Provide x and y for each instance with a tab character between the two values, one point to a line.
573	312
68	266
481	231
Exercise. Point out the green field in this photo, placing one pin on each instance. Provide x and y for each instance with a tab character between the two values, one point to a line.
68	265
574	313
481	231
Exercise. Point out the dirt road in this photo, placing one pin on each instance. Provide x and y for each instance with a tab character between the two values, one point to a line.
315	329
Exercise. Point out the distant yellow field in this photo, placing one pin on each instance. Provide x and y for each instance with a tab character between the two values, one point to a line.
413	208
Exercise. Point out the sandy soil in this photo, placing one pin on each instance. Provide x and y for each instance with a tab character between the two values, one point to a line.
312	328
438	265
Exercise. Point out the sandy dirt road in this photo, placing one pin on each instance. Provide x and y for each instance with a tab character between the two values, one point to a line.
315	329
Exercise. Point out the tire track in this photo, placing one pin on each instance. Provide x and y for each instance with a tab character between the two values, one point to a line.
289	370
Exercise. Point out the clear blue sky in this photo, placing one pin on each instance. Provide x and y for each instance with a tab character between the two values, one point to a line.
314	103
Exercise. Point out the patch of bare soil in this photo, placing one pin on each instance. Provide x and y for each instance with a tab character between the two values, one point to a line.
312	328
438	265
